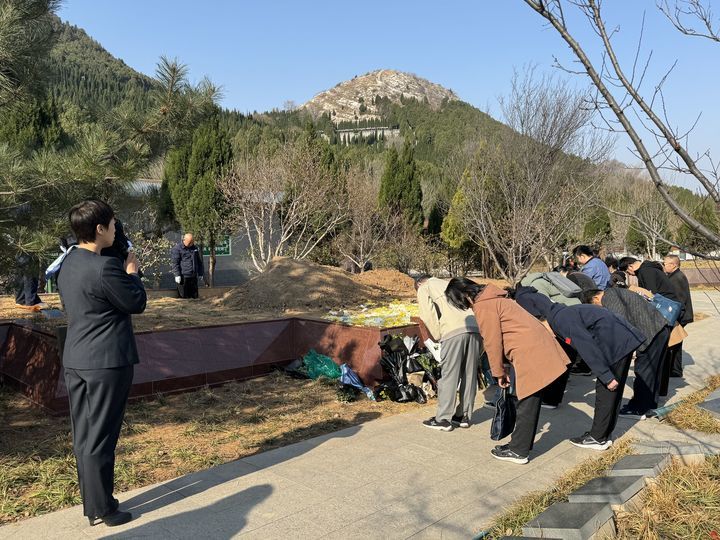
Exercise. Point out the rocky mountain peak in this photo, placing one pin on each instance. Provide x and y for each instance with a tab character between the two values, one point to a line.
355	99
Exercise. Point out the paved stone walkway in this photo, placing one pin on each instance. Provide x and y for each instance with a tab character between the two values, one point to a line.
389	478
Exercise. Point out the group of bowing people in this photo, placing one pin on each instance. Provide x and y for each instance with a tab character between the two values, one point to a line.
531	332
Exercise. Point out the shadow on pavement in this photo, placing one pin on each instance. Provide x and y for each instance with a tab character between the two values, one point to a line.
221	519
191	484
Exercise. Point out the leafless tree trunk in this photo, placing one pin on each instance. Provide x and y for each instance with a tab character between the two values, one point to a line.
633	203
528	190
285	204
619	92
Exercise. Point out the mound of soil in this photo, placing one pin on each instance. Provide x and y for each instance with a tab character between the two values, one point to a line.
394	283
302	285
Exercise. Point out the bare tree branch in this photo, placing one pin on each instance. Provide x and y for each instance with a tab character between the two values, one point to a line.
550	11
693	9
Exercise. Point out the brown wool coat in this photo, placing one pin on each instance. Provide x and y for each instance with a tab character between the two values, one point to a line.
510	332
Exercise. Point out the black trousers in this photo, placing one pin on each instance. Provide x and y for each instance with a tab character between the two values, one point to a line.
607	403
97	407
554	392
648	372
188	287
528	414
676	365
27	291
673	357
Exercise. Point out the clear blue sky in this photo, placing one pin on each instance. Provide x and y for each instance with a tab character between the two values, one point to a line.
266	52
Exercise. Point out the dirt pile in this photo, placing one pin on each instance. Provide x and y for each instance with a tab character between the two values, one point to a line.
303	285
394	283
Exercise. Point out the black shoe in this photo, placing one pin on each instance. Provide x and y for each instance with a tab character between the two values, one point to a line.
580	370
112	519
460	421
627	412
442	425
589	442
504	453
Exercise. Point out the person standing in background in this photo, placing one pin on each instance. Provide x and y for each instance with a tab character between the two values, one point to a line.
187	267
671	265
28	269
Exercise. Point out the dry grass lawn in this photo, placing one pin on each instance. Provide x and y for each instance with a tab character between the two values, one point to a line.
169	436
684	504
688	415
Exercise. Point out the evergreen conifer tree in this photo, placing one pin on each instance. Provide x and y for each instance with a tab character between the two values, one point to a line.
190	175
400	185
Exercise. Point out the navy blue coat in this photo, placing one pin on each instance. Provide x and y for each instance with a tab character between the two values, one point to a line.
599	336
187	261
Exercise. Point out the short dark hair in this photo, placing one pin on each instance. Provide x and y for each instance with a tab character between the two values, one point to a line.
86	216
583	250
461	292
611	261
562	268
587	296
420	279
625	262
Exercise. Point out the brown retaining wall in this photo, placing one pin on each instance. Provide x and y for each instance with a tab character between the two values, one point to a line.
190	358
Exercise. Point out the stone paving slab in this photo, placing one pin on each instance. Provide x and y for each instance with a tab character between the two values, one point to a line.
569	521
388	478
712	404
640	465
608	489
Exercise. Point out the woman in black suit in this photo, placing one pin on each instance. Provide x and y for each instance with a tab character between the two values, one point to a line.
99	294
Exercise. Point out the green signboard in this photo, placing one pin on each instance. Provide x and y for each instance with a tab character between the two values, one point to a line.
223	247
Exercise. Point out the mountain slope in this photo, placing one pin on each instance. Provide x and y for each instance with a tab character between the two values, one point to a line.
356	99
85	74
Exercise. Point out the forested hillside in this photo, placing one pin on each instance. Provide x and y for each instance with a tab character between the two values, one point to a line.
86	75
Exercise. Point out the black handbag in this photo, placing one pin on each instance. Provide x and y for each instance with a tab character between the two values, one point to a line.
503	422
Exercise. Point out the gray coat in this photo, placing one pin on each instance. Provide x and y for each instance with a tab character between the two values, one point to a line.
636	310
544	287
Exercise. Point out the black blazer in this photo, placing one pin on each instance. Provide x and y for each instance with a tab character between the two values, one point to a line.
99	297
652	277
682	291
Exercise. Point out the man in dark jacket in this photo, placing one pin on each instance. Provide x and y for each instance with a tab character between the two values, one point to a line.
605	341
671	265
648	363
187	266
651	276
